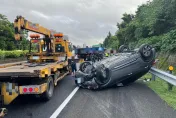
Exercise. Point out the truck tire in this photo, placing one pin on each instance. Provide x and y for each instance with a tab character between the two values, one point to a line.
50	89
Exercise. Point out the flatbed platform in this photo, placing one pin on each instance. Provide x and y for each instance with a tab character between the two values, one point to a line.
11	64
30	70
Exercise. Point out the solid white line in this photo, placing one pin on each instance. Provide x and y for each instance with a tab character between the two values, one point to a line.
61	107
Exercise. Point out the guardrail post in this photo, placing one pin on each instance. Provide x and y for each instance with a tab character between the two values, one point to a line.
153	77
170	86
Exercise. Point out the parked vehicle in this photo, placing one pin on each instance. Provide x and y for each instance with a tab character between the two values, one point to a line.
44	68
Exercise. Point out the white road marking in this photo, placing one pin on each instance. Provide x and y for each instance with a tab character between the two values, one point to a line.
61	107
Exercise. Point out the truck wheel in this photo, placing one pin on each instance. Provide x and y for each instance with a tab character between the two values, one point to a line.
50	89
146	52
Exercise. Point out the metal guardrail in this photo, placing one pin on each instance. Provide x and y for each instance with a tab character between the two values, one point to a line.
163	75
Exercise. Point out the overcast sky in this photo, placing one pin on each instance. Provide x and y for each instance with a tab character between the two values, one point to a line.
84	21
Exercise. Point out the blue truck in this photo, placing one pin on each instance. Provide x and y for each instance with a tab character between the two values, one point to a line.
87	53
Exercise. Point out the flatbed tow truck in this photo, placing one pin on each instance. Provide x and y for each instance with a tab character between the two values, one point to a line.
42	70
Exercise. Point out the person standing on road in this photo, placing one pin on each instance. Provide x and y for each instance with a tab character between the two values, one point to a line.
73	66
47	44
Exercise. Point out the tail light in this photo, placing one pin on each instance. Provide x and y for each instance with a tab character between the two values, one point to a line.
36	89
31	89
24	90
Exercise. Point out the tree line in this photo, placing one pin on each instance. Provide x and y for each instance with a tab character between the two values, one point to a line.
153	23
7	41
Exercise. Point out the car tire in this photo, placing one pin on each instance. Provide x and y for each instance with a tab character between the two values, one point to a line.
146	52
46	96
84	65
102	75
123	48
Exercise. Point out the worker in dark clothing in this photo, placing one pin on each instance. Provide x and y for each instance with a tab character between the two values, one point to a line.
47	43
66	57
73	66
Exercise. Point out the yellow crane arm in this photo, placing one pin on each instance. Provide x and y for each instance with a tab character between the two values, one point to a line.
21	24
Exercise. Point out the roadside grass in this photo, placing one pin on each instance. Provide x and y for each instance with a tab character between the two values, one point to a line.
160	87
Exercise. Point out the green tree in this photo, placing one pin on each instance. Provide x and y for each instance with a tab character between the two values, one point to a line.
153	23
106	41
7	41
6	34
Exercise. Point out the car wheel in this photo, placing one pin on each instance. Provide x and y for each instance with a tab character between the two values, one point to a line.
102	75
84	65
123	48
50	89
146	52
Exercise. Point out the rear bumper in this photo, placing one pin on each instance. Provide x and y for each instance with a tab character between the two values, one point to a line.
9	91
41	89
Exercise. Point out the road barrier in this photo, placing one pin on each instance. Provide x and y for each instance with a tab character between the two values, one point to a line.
163	75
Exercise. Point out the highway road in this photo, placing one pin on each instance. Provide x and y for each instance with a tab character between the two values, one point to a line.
134	101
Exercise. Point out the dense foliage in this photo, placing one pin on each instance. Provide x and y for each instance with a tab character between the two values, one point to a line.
7	41
13	54
153	23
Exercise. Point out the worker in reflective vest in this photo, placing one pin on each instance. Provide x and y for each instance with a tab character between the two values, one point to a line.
106	54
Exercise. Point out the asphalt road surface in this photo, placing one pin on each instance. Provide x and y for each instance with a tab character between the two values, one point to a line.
134	101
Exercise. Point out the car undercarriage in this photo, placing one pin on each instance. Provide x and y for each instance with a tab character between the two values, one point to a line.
122	68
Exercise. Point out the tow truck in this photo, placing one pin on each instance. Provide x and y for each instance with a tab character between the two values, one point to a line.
43	68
